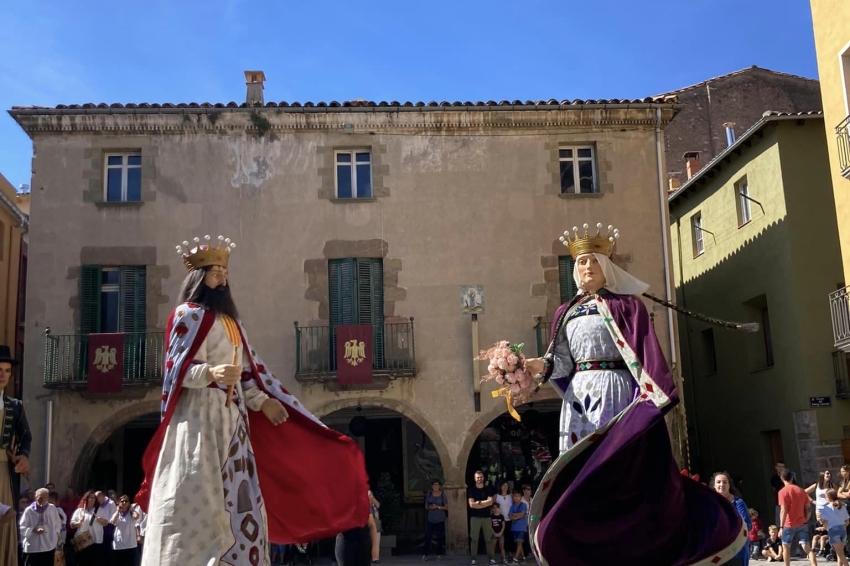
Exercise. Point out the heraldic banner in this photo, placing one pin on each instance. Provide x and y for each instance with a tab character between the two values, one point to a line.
106	363
354	354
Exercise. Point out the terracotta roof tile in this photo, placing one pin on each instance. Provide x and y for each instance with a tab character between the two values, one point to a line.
662	99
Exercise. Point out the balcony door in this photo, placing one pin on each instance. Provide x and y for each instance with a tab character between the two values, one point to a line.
114	300
356	288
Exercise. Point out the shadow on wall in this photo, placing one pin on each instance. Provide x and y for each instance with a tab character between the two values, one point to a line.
741	386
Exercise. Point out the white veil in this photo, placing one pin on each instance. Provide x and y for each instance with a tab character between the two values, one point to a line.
616	279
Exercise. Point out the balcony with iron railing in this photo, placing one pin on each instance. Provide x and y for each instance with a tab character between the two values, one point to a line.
543	331
66	359
839	306
842	134
393	349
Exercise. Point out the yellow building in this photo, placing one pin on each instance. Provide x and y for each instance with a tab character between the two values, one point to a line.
831	20
755	239
13	225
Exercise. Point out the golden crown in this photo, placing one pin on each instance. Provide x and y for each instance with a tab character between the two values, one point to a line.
204	255
586	244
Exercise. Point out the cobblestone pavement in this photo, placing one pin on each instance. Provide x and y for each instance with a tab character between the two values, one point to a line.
464	560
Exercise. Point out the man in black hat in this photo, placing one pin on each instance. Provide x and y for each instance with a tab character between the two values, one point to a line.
15	440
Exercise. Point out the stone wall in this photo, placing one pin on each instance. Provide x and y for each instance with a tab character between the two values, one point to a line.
815	456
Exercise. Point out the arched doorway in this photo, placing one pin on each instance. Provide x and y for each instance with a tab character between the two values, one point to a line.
517	451
401	460
116	463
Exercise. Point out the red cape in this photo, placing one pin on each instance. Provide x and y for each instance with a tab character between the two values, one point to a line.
313	479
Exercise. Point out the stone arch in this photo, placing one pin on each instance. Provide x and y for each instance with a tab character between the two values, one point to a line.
478	426
453	475
82	467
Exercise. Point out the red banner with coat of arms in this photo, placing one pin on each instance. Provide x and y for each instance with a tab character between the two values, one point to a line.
106	363
354	354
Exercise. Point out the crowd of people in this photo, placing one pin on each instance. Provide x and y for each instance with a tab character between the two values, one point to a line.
815	517
95	529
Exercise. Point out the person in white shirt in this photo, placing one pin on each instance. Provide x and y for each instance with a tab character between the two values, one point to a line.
54	500
85	520
40	526
835	518
125	539
106	509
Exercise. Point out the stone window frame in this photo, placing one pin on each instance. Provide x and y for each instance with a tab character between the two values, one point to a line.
318	284
326	153
94	172
603	167
116	256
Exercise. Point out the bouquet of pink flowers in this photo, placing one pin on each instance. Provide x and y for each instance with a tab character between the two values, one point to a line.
507	367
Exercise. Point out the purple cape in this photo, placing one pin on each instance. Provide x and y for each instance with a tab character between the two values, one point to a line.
620	497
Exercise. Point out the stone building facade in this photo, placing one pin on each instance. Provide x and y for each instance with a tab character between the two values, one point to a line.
436	195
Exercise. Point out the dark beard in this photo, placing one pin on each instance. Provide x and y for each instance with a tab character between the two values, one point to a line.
219	301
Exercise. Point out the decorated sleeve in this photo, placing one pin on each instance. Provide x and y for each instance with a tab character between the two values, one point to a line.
254	397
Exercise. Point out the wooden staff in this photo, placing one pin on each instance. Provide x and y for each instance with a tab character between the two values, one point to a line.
232	388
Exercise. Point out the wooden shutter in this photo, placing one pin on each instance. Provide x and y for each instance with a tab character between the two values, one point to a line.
132	320
133	299
90	279
342	292
370	303
341	301
90	299
565	278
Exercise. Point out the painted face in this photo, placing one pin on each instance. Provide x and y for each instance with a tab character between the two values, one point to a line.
5	374
721	485
216	276
590	272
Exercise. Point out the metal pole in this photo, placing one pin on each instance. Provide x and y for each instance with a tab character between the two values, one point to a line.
48	441
476	377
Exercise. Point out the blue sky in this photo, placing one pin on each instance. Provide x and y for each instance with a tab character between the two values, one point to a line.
55	51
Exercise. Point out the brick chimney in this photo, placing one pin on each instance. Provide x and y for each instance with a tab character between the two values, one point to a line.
255	80
675	181
691	163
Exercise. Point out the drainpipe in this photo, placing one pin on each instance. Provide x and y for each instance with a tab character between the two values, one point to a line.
665	237
48	441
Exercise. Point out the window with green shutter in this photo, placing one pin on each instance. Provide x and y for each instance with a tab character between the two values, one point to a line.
114	299
356	289
565	278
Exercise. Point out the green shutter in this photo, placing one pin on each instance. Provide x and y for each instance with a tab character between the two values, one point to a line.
342	292
565	278
370	303
340	300
132	319
90	299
